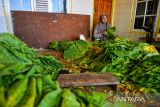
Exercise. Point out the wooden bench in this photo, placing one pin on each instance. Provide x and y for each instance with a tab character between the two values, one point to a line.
88	79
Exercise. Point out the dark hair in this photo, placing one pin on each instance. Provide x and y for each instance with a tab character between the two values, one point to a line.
101	17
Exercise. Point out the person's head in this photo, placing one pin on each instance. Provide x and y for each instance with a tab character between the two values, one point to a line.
103	18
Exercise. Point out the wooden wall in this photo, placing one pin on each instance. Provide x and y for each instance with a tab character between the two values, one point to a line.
39	29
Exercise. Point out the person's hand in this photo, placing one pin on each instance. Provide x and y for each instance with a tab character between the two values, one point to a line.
104	33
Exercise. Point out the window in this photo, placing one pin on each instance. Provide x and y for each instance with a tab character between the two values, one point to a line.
146	13
24	5
1	4
58	6
43	5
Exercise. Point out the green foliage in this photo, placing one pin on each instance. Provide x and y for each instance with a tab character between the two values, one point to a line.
29	98
76	50
111	33
20	64
52	98
2	97
16	92
23	70
60	45
72	49
124	59
146	74
69	99
92	99
28	80
121	57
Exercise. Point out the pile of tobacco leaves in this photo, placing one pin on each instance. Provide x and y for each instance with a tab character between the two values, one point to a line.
131	62
29	80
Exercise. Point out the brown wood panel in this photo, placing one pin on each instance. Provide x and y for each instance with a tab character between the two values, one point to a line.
39	29
86	79
102	6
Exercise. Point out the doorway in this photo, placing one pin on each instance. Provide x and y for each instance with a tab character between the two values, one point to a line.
102	6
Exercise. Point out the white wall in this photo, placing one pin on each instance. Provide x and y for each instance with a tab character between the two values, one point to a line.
3	25
81	7
123	9
158	21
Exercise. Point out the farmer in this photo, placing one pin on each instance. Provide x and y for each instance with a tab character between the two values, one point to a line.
101	27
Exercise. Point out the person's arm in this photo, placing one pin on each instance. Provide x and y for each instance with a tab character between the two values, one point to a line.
108	26
97	33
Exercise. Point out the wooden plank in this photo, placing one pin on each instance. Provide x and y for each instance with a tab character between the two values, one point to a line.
39	29
86	79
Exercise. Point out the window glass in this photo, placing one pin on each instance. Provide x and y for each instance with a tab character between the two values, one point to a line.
141	8
152	7
15	5
55	5
26	5
149	21
1	4
138	22
146	13
59	6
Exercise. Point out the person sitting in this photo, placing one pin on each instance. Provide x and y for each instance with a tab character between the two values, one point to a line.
101	28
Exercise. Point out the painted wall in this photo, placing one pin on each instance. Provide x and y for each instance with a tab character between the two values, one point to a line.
122	17
158	21
3	25
81	7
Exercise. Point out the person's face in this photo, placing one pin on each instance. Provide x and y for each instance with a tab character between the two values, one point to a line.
104	19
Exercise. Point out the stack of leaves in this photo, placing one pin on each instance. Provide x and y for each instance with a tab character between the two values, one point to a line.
16	58
25	77
111	33
60	45
72	49
115	55
119	57
78	98
28	80
147	74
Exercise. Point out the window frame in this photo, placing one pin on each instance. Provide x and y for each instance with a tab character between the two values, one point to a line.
21	7
50	6
8	12
133	16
